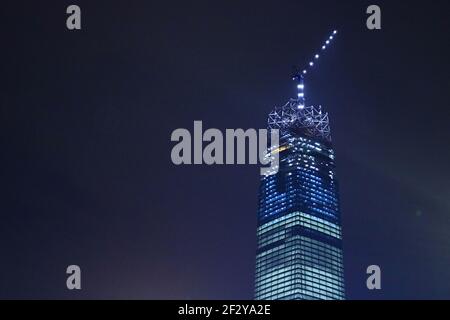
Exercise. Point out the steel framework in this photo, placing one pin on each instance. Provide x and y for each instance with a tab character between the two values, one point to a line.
295	114
310	119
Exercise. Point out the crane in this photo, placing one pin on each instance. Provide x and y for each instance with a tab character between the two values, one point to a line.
299	76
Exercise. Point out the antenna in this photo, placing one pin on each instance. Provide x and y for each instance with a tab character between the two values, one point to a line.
299	77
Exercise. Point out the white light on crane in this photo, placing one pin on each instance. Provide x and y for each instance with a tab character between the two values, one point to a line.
301	86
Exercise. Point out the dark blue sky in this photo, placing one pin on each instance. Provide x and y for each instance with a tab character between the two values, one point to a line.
86	119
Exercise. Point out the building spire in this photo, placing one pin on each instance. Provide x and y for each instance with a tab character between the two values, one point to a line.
299	76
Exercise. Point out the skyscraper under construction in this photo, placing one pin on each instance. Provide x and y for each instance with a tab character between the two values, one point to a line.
299	254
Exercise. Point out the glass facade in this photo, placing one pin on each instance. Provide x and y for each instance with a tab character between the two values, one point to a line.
299	254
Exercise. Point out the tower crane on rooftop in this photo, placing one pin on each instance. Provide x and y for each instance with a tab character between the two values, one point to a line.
299	75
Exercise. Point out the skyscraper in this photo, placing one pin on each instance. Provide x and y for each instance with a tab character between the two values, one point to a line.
299	254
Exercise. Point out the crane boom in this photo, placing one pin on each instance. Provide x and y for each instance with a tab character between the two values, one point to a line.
299	77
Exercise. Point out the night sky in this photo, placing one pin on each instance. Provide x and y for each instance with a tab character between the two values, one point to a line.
86	118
